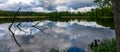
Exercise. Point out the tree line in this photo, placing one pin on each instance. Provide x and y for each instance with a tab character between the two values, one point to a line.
97	12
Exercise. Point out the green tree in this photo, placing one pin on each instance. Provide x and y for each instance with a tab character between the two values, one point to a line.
104	8
103	3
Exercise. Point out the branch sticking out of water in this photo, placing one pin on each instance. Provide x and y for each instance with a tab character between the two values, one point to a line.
13	34
18	26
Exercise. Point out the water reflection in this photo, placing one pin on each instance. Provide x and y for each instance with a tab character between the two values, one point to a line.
60	35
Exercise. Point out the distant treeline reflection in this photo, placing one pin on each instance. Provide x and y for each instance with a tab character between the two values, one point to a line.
108	22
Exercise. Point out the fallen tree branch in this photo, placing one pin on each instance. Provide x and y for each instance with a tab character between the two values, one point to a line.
13	34
40	30
18	26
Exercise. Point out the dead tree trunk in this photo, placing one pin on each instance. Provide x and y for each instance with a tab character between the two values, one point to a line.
116	11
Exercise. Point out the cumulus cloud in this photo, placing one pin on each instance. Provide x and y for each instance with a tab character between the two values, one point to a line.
39	9
85	9
62	8
46	5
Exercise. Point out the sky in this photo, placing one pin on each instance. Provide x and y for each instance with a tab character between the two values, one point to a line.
47	5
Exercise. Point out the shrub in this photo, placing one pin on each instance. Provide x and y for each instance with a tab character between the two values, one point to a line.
105	46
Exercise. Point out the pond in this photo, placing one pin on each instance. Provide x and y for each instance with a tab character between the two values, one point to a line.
61	35
108	22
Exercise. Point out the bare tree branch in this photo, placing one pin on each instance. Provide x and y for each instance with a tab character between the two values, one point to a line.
13	34
40	30
35	24
18	26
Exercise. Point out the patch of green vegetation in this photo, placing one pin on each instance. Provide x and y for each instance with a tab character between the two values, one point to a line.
22	50
54	50
105	46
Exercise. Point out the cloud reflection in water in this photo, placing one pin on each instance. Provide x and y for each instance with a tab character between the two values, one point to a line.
60	35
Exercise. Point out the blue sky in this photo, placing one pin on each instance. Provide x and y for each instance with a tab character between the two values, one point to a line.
47	5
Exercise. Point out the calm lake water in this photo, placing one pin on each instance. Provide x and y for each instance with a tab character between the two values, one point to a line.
60	35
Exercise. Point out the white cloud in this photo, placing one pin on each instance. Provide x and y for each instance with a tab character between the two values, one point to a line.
85	9
38	9
47	5
7	6
60	2
62	8
3	1
20	1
